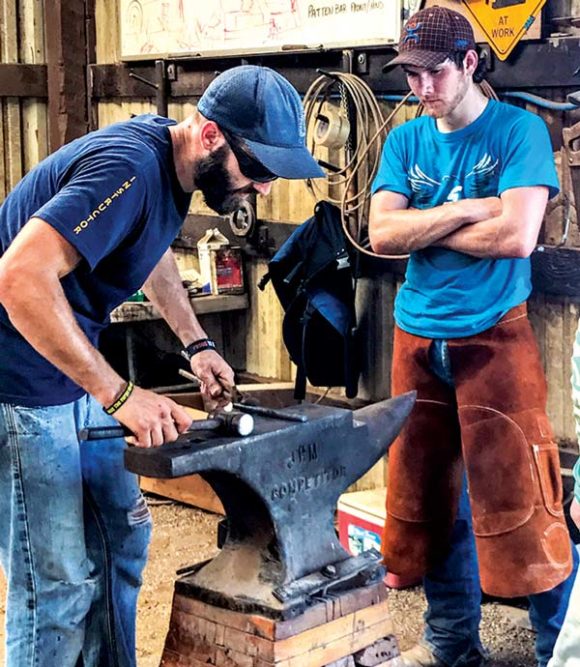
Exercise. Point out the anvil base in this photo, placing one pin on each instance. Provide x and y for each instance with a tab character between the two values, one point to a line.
335	631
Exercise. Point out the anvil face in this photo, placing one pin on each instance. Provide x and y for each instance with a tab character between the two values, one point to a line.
279	488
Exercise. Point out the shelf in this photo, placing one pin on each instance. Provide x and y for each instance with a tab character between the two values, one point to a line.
135	311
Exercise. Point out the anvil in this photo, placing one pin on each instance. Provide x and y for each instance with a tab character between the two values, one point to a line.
279	488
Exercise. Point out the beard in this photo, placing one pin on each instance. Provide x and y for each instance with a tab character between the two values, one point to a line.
449	107
213	180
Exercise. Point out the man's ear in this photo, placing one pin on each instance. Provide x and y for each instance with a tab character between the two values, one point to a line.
210	136
470	62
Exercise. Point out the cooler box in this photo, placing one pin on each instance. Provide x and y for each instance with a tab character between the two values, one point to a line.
361	519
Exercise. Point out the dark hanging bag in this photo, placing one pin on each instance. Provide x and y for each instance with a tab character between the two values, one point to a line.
313	278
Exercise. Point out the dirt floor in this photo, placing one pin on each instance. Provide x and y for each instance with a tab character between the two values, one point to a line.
182	536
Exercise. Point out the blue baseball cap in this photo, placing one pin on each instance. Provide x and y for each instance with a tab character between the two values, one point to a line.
259	106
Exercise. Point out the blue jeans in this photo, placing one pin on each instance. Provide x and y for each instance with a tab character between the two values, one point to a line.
74	532
454	602
453	590
567	649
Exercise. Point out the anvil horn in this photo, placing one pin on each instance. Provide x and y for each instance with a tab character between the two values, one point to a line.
384	420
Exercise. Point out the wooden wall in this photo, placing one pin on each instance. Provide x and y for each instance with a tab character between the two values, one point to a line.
554	320
23	122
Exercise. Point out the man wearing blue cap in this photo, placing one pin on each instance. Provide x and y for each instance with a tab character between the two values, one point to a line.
79	234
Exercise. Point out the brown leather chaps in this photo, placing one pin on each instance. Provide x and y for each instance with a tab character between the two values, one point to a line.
493	423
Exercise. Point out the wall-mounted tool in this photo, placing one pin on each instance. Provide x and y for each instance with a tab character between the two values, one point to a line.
244	224
571	137
243	220
332	128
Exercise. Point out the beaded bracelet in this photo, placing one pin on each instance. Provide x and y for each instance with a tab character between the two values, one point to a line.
198	346
121	400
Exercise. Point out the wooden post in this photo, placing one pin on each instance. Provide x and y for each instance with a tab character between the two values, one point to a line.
69	47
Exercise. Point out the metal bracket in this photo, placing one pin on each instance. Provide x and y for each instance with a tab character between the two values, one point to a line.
164	72
366	565
486	54
361	63
571	139
171	72
265	244
348	61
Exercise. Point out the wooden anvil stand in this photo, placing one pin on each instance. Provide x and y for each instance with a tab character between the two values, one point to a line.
349	629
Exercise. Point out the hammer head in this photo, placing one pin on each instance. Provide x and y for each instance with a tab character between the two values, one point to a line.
234	423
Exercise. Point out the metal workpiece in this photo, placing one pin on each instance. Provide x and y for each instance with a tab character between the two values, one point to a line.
279	487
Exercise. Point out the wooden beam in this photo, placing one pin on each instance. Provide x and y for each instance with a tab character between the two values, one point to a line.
550	63
17	80
66	56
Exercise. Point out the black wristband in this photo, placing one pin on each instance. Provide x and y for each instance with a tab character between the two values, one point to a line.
197	346
121	400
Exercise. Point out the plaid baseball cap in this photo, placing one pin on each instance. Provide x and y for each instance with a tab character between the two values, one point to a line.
431	35
261	107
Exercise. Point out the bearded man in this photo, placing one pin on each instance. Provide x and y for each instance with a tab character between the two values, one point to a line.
79	234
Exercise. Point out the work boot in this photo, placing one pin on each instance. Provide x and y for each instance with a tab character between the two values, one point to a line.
420	656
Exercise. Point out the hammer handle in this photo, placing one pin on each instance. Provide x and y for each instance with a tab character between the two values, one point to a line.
108	432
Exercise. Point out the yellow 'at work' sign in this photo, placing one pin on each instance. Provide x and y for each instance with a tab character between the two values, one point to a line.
504	22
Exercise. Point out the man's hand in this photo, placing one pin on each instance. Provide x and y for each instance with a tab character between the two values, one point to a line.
575	512
154	419
216	377
510	230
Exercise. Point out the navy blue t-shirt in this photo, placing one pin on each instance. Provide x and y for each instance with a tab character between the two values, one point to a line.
114	195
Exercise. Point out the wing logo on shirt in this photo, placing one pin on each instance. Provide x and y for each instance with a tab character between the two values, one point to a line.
480	181
419	179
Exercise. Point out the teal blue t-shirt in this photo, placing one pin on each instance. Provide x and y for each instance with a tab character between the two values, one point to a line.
449	294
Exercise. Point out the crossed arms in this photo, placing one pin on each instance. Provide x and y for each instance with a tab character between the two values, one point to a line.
494	227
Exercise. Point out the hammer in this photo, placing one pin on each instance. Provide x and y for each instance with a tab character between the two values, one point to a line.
226	423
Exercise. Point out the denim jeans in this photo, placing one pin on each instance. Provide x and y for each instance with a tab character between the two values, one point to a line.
567	649
74	532
453	590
